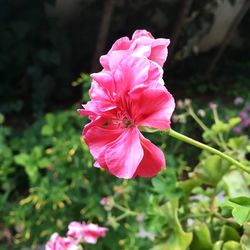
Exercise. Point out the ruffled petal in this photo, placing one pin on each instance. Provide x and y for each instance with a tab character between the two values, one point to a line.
153	159
140	51
140	33
159	51
125	154
152	106
84	112
121	44
155	73
102	103
98	140
105	80
131	72
115	58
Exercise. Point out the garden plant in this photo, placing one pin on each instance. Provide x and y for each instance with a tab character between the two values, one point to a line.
140	195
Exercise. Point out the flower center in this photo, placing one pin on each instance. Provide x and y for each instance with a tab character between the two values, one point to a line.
123	120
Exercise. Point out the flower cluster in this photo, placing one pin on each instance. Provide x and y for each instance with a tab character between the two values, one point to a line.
244	115
126	95
77	233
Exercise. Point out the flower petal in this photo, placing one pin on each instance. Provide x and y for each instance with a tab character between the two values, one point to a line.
116	57
159	51
125	154
101	101
131	72
105	80
153	159
121	44
98	140
140	33
152	107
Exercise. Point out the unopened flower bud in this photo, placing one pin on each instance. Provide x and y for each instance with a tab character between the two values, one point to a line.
201	113
212	105
180	104
107	202
187	102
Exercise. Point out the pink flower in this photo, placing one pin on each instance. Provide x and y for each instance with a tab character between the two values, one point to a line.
238	100
60	243
123	100
104	201
107	202
88	233
237	130
142	44
245	123
243	115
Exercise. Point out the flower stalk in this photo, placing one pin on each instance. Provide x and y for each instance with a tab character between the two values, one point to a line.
198	144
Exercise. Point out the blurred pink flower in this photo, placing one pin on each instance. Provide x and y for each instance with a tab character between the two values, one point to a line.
247	108
237	130
89	233
238	100
243	115
61	243
245	123
142	44
104	201
123	100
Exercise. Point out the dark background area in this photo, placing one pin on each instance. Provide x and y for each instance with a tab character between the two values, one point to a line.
42	52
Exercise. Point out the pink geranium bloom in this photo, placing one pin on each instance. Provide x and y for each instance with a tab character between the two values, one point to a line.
88	233
142	44
105	200
122	101
61	243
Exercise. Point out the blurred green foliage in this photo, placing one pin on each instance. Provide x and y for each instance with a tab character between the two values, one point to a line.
47	180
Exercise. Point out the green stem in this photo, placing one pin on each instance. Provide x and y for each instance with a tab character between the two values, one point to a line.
197	144
200	123
123	209
197	119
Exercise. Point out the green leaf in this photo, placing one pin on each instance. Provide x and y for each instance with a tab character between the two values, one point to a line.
167	186
237	143
47	130
234	121
201	237
36	153
188	185
32	172
50	119
43	163
212	169
22	159
240	208
231	245
236	184
245	239
218	245
220	127
178	239
229	233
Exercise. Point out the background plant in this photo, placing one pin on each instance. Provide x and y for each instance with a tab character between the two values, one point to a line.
47	180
